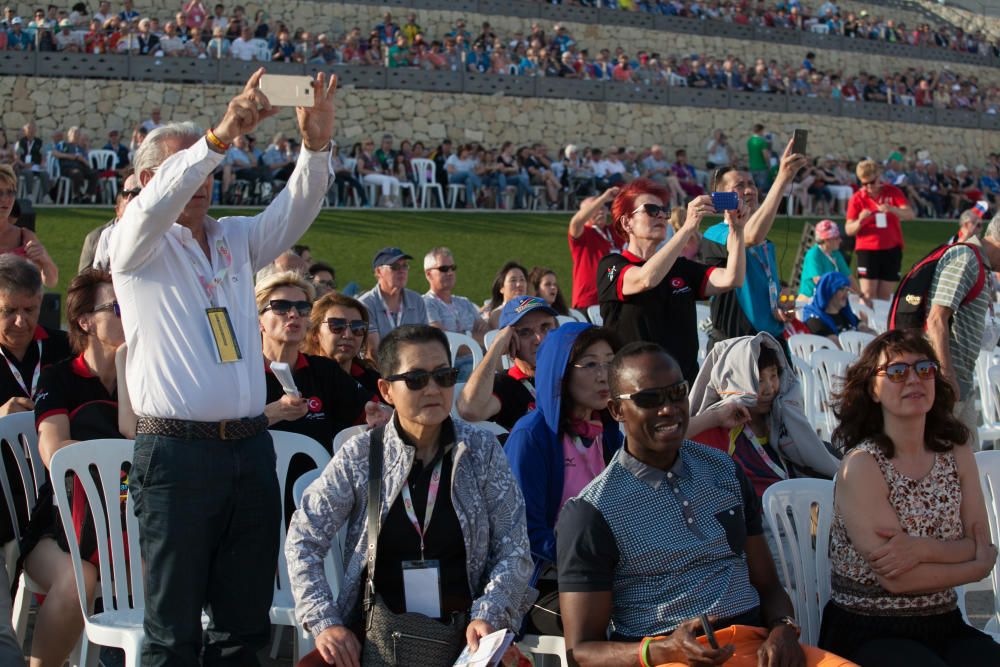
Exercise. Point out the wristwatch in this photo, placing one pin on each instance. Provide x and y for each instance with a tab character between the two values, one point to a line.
790	622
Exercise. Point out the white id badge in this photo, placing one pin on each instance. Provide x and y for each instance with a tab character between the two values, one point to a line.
881	221
422	587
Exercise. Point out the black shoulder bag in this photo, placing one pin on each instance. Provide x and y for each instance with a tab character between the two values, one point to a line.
395	640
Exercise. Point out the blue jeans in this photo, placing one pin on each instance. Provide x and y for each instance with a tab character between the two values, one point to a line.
208	514
472	183
762	179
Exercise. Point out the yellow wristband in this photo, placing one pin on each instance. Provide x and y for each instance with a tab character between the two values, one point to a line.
644	652
215	141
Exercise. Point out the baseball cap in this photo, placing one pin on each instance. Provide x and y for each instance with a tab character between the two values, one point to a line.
827	229
17	20
387	256
65	23
520	306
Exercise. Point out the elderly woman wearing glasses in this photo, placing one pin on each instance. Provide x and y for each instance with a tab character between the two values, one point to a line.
648	293
446	495
18	240
329	400
339	331
873	216
910	523
75	400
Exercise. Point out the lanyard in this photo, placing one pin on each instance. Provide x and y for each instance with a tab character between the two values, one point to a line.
396	320
210	285
772	289
775	468
29	391
531	389
432	493
605	235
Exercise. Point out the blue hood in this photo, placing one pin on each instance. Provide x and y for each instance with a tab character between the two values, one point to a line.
829	285
550	367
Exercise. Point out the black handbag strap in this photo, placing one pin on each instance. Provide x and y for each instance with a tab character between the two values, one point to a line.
375	451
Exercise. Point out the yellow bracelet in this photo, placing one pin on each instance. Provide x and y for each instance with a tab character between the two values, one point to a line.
644	652
215	141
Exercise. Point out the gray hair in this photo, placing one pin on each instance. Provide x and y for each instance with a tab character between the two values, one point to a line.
18	274
993	229
151	152
430	259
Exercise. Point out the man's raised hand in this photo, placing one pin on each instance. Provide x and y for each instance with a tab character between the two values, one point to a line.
316	122
245	111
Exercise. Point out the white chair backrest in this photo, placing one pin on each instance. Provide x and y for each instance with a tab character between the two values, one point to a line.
304	480
424	170
103	160
457	341
855	341
119	574
347	434
52	166
333	564
807	378
990	400
702	311
881	309
803	345
988	462
799	513
459	386
488	339
491	427
19	437
564	319
578	316
831	367
594	315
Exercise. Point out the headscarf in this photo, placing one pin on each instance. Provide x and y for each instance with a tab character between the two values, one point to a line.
829	285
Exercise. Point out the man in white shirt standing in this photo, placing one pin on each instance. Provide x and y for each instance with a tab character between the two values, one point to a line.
203	477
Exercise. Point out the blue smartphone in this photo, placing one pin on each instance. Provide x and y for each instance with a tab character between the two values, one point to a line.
725	201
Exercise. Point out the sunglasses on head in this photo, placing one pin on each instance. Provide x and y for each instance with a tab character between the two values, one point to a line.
284	306
112	306
925	369
653	210
647	399
417	380
447	268
339	324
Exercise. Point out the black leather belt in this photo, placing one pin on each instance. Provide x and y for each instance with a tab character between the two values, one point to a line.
227	429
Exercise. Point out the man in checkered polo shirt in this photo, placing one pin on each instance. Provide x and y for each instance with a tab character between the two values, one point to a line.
670	530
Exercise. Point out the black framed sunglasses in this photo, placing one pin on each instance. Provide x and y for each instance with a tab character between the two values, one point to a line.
110	306
417	380
653	210
130	194
647	399
896	372
447	268
339	324
284	306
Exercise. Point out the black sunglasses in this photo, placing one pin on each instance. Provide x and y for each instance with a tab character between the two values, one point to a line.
653	210
647	399
897	372
129	194
112	306
447	268
284	306
417	380
338	325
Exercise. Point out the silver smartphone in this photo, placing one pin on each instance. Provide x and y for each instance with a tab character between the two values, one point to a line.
287	90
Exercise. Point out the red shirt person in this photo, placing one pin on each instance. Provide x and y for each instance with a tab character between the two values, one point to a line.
591	237
873	216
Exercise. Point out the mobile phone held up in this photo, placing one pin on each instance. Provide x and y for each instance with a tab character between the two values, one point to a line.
725	201
799	138
287	90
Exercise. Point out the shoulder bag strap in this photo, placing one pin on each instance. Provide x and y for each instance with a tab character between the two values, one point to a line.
375	452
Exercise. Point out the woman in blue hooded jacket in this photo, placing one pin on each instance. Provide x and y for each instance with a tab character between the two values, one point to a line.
830	312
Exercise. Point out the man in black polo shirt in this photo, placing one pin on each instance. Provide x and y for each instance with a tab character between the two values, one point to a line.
505	396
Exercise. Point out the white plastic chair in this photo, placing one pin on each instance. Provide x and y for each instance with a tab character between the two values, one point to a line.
454	191
803	554
488	338
459	386
803	345
989	391
564	319
457	341
545	645
347	434
120	582
491	427
855	341
578	316
880	307
988	463
104	161
286	446
425	175
831	367
807	378
62	183
594	315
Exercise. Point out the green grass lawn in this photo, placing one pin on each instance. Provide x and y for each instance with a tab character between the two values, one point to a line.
481	241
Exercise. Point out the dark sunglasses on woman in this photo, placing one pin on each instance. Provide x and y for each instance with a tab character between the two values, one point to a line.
417	380
284	306
339	324
112	306
647	399
897	372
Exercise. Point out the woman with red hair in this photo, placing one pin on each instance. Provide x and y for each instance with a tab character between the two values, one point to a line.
648	292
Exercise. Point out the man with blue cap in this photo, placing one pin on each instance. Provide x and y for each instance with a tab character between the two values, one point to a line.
504	396
389	303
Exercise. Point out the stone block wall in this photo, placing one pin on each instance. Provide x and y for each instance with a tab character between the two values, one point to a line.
98	106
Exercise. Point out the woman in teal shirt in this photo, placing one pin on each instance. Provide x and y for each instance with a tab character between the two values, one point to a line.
822	258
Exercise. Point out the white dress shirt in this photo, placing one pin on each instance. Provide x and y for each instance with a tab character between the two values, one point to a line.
173	367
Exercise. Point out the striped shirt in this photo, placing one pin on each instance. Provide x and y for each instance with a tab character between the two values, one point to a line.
956	274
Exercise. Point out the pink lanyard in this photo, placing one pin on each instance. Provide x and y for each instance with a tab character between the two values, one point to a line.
432	493
29	391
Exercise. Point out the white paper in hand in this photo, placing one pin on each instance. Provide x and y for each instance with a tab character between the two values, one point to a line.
282	371
490	651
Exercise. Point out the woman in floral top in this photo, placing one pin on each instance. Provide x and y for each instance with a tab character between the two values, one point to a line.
910	522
